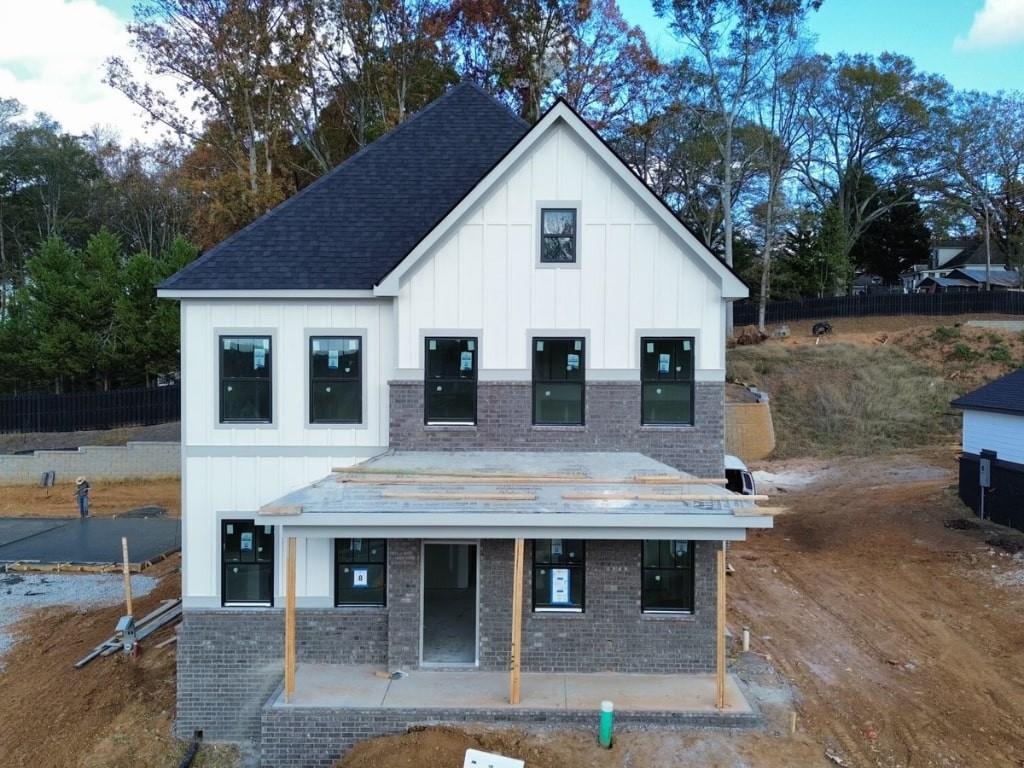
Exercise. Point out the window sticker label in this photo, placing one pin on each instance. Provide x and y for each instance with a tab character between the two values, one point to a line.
681	548
360	577
556	546
560	586
687	344
650	347
664	362
246	544
466	361
332	359
470	345
540	346
572	362
578	345
432	345
259	358
230	528
357	545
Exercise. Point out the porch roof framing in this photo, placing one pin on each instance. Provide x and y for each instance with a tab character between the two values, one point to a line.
516	494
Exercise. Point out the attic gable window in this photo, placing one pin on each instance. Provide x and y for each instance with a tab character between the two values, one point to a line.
558	236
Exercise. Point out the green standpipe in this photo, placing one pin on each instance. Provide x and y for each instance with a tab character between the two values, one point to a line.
604	734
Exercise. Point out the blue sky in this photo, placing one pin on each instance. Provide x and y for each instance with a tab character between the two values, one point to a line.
924	30
52	52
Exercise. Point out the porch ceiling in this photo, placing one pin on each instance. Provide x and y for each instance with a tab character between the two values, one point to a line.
510	494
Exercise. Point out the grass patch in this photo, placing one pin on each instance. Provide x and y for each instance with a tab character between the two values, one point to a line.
1000	353
842	399
944	333
964	353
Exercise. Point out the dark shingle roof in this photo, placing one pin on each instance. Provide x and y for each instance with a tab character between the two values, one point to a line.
1005	395
351	227
974	253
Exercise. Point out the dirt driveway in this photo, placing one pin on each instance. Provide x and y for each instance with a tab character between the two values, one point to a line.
905	638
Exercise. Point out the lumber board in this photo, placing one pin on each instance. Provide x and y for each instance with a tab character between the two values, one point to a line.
583	496
446	496
670	480
759	511
720	630
281	510
289	622
517	623
456	479
358	470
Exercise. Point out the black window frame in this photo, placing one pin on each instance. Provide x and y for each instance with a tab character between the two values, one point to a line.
427	381
382	563
269	378
267	563
644	569
538	382
690	378
544	236
314	379
577	571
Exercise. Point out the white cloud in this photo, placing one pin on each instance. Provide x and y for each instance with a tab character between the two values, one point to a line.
999	23
52	55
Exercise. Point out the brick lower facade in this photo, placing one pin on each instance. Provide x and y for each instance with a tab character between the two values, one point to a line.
612	423
231	660
299	737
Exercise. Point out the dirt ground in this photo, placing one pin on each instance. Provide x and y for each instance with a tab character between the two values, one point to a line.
114	713
904	637
107	498
49	441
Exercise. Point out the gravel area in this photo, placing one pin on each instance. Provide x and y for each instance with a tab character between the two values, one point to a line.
20	592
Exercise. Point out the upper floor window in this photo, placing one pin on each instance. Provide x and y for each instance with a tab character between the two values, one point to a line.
245	379
558	236
666	372
247	563
335	386
667	579
558	381
449	388
559	573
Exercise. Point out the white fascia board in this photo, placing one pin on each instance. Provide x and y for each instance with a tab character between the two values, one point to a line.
517	524
510	532
269	293
732	286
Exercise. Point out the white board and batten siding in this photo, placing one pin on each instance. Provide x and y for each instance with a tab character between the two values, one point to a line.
236	468
999	432
633	275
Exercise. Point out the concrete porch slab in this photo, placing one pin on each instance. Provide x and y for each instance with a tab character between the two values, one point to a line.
359	687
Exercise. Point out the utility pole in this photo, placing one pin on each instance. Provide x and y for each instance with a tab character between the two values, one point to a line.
988	252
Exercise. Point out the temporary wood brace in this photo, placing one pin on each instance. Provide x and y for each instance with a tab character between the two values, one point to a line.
358	470
756	511
720	630
442	496
127	577
660	497
517	622
289	622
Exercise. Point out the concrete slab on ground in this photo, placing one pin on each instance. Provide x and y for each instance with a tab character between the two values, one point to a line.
93	540
359	687
998	325
17	528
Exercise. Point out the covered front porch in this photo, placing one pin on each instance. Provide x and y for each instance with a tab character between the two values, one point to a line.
370	687
497	501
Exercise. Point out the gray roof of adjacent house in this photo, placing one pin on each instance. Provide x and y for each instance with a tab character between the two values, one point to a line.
1005	395
1006	278
352	226
973	252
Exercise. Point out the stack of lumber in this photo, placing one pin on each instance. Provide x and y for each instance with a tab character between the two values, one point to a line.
168	612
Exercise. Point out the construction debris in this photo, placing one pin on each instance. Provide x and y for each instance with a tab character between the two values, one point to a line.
169	612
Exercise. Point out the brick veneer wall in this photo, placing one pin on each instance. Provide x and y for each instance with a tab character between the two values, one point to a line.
504	422
403	603
298	737
230	661
611	634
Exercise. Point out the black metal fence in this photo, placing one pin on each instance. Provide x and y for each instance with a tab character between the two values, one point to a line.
966	303
90	410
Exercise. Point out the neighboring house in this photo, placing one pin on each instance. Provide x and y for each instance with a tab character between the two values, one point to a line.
972	279
948	255
467	302
994	436
866	284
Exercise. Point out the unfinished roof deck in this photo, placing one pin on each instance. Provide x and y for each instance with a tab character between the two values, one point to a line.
512	494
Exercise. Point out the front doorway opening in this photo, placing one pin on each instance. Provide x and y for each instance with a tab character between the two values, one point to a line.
449	603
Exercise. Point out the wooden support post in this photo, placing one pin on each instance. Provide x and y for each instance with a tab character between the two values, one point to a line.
720	631
127	577
517	622
289	622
